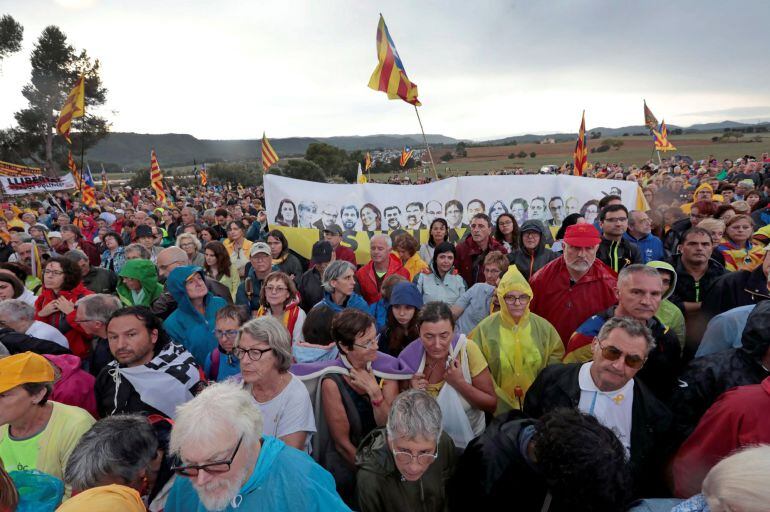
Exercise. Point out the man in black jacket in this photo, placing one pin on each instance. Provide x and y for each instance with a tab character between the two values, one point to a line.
606	389
615	251
739	288
531	254
565	461
708	377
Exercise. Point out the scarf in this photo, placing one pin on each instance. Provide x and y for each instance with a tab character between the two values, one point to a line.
163	383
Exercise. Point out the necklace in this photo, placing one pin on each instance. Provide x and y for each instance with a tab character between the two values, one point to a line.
429	368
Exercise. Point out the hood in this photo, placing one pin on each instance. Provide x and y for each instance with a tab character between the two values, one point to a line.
756	334
67	363
393	265
374	455
142	270
405	294
512	280
704	186
530	225
271	448
176	287
662	265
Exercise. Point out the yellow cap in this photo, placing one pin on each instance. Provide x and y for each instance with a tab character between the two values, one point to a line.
23	368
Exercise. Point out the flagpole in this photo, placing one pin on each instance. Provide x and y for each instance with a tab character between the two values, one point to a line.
425	139
82	152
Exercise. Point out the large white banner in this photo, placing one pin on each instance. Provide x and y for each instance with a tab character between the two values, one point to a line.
34	184
363	210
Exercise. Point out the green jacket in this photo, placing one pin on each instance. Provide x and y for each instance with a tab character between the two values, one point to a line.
145	272
379	484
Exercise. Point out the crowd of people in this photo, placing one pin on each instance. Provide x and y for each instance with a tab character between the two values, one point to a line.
184	357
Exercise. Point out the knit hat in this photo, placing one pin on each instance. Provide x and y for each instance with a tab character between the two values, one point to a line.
406	294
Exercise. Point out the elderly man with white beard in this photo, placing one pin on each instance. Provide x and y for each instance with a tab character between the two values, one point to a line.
227	464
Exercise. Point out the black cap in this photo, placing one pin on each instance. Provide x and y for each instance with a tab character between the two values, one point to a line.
322	252
334	229
142	230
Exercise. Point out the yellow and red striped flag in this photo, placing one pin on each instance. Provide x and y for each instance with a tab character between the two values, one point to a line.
367	162
269	156
406	154
390	76
580	156
156	178
89	187
650	121
661	138
204	175
73	107
74	170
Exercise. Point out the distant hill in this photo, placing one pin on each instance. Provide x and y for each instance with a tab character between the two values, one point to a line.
132	150
618	132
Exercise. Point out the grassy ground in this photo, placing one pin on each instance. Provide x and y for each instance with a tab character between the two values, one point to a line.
635	150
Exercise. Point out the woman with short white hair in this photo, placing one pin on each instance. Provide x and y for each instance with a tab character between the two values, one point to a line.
263	348
407	464
228	462
190	244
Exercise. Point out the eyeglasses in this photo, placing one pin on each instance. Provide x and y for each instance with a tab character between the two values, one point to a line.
368	344
521	299
276	289
611	353
214	468
423	459
53	272
230	333
255	354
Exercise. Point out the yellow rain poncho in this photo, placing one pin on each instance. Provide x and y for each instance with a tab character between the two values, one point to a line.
516	351
108	498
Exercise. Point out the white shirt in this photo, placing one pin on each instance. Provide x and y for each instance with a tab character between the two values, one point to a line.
44	331
289	412
613	409
28	297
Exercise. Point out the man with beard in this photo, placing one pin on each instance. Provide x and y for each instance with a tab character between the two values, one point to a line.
225	459
575	286
414	213
349	216
392	217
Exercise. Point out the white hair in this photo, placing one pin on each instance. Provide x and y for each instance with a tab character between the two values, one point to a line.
414	415
17	309
387	239
185	236
221	409
739	482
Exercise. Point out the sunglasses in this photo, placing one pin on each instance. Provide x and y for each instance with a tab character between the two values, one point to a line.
611	353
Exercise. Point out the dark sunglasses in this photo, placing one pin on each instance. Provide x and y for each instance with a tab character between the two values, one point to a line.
212	468
611	353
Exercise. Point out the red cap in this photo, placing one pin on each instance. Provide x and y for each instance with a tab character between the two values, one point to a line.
582	235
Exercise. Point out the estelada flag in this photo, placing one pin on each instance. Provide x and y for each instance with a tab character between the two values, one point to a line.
580	156
661	138
74	170
649	119
390	76
204	175
406	154
269	156
156	178
72	108
89	187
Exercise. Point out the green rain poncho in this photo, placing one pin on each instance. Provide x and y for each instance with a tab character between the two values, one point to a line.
145	272
516	351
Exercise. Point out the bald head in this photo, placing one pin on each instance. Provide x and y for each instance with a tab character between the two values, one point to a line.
169	259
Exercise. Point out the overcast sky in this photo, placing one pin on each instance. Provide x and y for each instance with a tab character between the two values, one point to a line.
230	69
